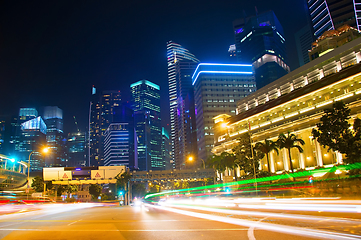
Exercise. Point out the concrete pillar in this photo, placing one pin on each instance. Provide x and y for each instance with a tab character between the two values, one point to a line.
339	157
284	153
302	161
272	162
319	154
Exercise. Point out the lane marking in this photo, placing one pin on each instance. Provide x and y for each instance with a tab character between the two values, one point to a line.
74	222
125	230
266	226
250	232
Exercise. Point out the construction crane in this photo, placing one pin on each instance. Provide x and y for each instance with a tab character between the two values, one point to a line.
76	124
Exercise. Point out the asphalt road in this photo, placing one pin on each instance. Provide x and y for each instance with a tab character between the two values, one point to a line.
89	221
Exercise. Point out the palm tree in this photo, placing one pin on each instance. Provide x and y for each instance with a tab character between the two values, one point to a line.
222	162
266	147
229	160
289	142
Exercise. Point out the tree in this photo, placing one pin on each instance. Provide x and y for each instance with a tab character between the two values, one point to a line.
215	161
266	147
95	190
247	161
38	184
70	189
335	132
290	141
138	190
230	161
123	179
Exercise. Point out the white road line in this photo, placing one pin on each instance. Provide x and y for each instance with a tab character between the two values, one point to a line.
250	232
74	222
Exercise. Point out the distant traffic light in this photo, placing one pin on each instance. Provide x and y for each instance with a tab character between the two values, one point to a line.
121	192
310	179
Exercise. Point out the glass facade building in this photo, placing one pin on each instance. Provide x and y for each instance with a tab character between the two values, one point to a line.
260	41
217	89
101	116
77	146
32	138
146	106
56	142
181	66
166	149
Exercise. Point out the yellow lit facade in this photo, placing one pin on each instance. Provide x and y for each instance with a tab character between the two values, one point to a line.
295	103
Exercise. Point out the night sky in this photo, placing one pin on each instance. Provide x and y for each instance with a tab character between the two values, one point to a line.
52	52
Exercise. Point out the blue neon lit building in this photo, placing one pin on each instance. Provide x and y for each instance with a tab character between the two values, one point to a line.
32	138
260	41
119	145
146	106
217	88
181	66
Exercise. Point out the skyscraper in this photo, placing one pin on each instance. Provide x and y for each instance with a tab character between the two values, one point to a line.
101	116
56	142
25	114
119	145
304	39
76	145
166	149
32	138
146	106
217	89
260	41
332	14
181	65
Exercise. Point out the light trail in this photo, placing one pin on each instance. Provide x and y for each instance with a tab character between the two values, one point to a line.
265	226
264	214
276	204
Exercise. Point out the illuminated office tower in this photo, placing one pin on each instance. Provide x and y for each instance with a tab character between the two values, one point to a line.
25	114
77	146
31	140
332	14
260	41
119	145
53	118
181	65
101	116
146	107
217	89
166	149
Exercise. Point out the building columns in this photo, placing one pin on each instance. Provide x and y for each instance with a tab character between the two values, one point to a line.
318	154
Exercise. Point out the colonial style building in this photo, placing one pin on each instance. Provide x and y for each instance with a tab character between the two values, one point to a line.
296	103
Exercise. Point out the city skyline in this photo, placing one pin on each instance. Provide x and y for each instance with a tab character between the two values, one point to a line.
53	54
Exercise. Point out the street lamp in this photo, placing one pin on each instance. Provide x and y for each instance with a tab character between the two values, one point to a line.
44	150
190	159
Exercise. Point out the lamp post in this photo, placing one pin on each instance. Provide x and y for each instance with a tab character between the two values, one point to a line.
45	150
190	159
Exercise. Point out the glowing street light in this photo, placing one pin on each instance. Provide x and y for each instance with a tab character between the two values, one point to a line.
44	150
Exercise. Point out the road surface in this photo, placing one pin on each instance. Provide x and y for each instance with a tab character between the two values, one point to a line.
186	220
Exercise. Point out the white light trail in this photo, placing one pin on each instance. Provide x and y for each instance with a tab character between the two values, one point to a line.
266	226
